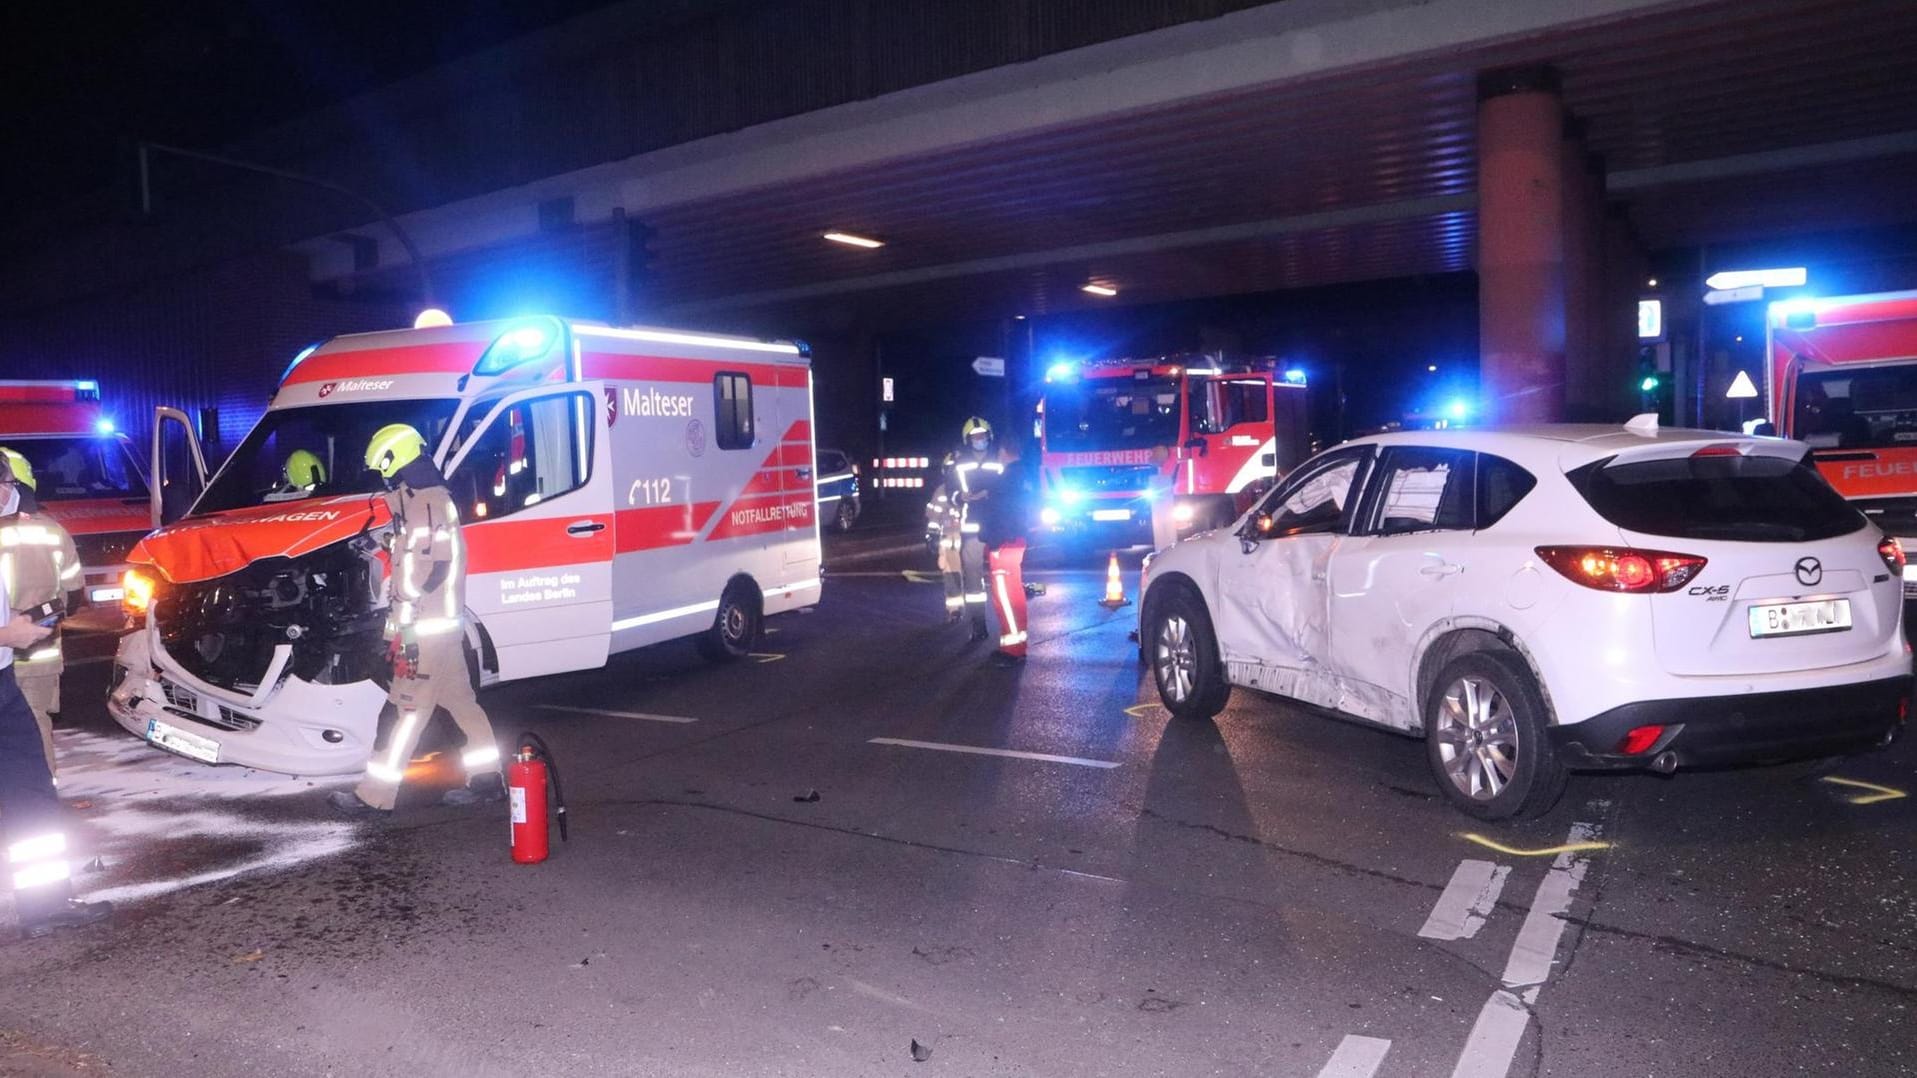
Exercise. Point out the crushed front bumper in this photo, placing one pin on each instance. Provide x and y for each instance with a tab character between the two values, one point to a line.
300	728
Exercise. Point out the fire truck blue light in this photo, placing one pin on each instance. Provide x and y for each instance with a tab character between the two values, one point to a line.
104	426
1295	376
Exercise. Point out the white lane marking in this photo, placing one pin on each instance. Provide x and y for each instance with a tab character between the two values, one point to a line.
1356	1057
613	714
1467	901
1500	1027
976	750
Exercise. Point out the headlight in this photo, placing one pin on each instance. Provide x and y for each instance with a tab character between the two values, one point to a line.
139	592
1183	513
1049	517
1070	496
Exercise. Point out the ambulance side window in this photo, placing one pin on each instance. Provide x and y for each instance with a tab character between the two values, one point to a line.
732	405
530	453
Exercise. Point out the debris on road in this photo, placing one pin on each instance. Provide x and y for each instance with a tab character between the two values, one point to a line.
920	1052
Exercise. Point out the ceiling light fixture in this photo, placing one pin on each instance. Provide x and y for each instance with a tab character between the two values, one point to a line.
1098	289
851	240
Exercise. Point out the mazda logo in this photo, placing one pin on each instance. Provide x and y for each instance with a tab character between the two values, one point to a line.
1810	572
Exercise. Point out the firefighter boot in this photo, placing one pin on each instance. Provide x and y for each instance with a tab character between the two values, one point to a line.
482	790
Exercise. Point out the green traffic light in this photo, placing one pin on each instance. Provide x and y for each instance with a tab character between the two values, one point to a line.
1649	384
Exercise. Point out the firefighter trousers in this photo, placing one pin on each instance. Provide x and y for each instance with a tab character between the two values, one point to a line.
29	810
965	581
1008	592
40	684
440	680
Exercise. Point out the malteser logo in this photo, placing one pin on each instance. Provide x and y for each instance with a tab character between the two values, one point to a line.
355	385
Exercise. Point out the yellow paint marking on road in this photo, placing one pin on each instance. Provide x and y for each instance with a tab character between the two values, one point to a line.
1139	711
767	656
918	576
1541	851
1878	793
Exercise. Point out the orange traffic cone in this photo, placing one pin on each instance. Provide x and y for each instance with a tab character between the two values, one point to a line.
1114	586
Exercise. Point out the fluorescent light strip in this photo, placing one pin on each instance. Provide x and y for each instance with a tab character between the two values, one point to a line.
851	240
665	615
1098	289
700	339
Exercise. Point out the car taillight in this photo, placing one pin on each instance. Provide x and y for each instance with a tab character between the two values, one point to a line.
1622	568
1892	551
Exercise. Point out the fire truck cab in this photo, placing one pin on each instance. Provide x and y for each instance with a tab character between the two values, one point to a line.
617	488
1843	379
89	479
1176	438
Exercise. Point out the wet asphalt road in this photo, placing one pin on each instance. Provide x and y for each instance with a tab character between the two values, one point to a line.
1276	893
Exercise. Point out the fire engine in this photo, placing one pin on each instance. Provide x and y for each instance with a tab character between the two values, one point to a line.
617	488
1177	438
1843	379
88	476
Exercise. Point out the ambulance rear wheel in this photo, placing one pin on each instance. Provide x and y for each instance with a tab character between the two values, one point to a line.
735	627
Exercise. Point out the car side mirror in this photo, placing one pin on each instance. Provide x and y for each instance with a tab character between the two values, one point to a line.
1256	529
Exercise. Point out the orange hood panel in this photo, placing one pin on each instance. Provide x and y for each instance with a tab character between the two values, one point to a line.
201	548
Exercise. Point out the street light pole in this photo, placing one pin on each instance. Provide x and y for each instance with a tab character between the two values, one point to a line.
399	233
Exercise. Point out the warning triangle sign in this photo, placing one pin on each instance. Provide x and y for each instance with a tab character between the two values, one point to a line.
1741	387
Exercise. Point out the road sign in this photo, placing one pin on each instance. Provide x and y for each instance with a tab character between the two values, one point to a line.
1742	388
885	390
1783	277
989	366
1720	296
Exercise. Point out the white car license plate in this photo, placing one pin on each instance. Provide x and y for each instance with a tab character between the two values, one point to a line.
1111	514
105	595
1795	619
184	742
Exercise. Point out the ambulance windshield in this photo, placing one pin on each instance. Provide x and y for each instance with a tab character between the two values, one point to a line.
79	467
1111	413
315	452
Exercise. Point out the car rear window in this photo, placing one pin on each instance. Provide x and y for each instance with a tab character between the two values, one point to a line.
1751	499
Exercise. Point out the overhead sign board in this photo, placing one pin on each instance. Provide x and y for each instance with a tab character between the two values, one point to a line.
1783	277
989	366
1717	297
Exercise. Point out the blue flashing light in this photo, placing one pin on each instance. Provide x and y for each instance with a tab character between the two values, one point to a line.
1800	313
1061	372
87	387
298	359
1457	409
1295	376
1070	496
104	426
521	344
1151	494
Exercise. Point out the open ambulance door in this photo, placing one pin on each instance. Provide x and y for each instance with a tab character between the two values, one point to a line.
178	466
534	487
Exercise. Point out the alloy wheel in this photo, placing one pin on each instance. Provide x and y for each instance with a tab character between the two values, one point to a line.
1477	738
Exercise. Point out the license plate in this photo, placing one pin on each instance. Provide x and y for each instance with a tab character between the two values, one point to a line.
105	595
184	742
1111	514
1798	619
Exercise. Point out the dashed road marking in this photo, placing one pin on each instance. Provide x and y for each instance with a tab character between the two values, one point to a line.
1575	846
1877	793
1499	1030
1356	1057
614	714
1467	901
766	656
977	750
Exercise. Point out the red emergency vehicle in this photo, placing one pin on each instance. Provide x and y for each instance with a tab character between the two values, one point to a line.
616	487
1178	437
1843	379
88	477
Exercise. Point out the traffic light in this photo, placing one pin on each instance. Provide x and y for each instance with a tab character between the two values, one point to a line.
1647	384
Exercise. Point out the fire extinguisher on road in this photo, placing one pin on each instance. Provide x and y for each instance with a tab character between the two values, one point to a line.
531	769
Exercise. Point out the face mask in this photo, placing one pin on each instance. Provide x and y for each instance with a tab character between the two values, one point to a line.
979	444
9	500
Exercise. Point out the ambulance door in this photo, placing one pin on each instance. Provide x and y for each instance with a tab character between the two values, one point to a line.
799	468
534	486
179	469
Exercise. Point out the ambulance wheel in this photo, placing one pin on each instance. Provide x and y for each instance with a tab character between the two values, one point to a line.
735	627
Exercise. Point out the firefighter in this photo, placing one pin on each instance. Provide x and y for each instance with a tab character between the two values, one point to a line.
42	572
424	631
29	808
302	473
942	526
970	474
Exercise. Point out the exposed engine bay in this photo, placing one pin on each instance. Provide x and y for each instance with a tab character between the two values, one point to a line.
328	606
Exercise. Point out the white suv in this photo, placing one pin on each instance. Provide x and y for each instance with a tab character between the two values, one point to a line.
1535	600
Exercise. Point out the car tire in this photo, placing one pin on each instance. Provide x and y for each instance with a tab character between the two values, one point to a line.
1182	653
1487	739
735	625
842	520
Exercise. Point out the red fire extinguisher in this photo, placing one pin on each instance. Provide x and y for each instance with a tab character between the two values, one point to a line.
531	769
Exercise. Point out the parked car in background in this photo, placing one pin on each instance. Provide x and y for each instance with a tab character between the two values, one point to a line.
1537	600
838	485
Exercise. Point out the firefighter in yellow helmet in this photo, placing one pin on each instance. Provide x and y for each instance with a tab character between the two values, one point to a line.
302	473
41	571
970	474
424	631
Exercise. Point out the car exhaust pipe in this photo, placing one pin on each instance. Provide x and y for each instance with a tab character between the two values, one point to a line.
1665	762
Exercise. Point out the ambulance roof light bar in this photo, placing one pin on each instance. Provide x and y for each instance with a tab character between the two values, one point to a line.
525	341
36	389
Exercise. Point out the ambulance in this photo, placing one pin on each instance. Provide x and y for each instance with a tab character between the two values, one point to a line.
1843	380
88	477
617	488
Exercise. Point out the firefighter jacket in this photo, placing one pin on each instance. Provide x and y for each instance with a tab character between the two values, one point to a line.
429	561
1006	515
38	562
969	480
